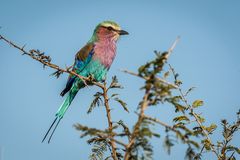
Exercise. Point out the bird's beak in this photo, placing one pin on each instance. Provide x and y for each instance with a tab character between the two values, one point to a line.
122	32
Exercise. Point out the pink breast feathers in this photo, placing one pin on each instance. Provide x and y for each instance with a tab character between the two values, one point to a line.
105	52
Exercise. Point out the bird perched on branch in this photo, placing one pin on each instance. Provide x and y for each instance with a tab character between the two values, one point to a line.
94	60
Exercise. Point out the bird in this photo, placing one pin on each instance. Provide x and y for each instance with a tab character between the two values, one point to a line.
94	59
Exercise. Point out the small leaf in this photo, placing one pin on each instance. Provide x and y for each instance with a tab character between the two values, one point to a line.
181	118
125	127
122	103
178	82
183	127
207	144
156	135
197	103
197	131
114	95
168	144
189	90
166	74
194	143
97	101
141	68
232	148
211	128
114	83
57	73
200	118
146	132
179	107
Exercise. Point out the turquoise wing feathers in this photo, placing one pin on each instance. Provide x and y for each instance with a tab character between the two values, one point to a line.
82	59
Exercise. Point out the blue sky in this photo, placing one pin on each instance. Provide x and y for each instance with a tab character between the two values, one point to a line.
206	57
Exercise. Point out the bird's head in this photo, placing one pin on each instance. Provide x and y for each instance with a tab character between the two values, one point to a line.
108	30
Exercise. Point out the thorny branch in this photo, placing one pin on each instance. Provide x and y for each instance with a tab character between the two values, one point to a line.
110	126
195	116
137	126
144	104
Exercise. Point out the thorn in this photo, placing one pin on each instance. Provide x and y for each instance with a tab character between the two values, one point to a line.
23	46
68	68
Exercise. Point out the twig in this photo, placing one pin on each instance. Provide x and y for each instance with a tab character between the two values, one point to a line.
147	78
144	104
160	122
141	116
110	126
170	50
194	115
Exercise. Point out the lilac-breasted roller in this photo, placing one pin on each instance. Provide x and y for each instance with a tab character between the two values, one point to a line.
94	59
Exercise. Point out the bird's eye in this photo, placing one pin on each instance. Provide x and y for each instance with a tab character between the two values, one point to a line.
109	28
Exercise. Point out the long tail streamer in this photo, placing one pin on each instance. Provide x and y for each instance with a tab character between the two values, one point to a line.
60	113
